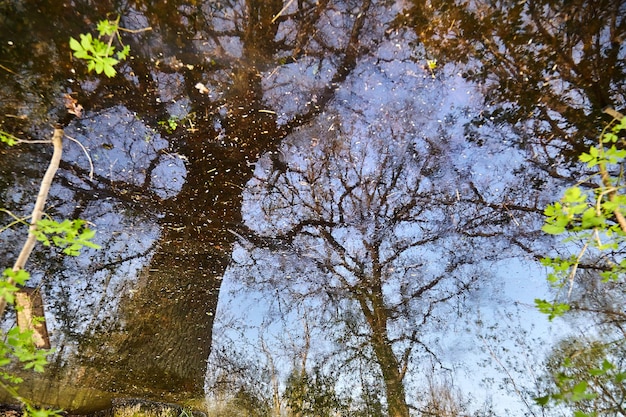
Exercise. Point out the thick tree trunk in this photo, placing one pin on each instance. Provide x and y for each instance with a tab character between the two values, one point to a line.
376	315
394	386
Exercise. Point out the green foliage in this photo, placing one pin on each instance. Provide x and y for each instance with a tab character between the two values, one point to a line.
171	124
552	309
585	377
99	53
8	138
582	372
8	283
589	216
19	346
70	235
311	394
42	412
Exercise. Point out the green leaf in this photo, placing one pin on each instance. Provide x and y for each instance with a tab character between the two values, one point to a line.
70	235
8	138
590	219
607	366
609	137
553	229
552	309
579	392
82	55
99	67
574	195
75	45
20	276
107	28
614	155
585	157
86	41
109	71
123	54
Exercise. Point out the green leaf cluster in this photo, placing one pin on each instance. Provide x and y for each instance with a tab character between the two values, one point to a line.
19	346
578	392
551	308
70	235
10	280
8	138
593	217
583	376
101	56
589	215
171	124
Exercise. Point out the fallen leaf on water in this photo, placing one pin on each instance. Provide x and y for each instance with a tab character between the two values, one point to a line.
202	88
72	106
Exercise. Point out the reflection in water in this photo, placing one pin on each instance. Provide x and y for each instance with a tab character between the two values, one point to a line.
374	138
135	318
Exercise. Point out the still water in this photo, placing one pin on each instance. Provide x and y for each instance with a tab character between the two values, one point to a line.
310	155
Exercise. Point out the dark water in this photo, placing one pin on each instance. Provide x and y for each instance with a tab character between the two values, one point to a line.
323	150
135	318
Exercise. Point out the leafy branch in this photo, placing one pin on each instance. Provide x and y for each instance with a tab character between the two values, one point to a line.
592	217
22	343
100	53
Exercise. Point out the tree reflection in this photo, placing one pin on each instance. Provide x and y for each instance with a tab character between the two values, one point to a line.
384	237
139	313
548	68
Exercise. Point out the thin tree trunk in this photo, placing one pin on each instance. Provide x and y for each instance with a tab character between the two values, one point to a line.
41	338
376	316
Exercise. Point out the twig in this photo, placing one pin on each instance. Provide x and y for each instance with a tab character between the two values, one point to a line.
17	219
7	69
134	30
572	273
57	142
18	140
86	154
282	11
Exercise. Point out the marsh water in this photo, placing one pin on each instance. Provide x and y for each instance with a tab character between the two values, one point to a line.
135	317
237	139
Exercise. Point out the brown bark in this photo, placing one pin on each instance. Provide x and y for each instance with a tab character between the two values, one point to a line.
31	303
41	334
376	315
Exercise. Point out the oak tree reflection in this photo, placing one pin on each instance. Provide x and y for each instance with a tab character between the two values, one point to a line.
141	317
376	230
547	68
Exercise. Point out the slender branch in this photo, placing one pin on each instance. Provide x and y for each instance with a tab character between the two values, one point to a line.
282	11
91	170
605	176
46	182
7	69
134	30
13	223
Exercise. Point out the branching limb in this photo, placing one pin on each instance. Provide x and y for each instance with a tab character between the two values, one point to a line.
605	176
46	182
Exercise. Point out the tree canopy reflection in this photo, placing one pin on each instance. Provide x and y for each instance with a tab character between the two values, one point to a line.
366	203
167	206
547	68
380	232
